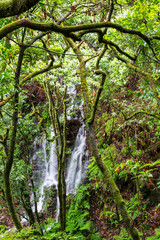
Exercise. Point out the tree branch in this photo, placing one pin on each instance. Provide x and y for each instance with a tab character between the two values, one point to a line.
119	49
141	112
101	55
14	7
67	31
97	72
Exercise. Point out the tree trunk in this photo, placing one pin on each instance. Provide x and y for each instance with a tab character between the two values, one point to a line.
26	203
117	197
14	7
61	153
10	156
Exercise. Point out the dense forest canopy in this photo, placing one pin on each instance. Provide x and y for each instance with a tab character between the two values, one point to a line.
110	51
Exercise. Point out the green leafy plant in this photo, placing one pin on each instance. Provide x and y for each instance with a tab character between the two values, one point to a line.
156	236
77	216
123	235
2	229
26	233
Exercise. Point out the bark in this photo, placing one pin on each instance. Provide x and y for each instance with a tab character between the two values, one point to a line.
69	31
35	206
14	7
117	197
63	166
141	112
26	203
60	151
120	204
10	157
91	121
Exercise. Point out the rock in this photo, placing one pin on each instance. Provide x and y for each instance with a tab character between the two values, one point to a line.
73	126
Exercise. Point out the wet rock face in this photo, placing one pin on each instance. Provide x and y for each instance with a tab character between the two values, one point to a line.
73	126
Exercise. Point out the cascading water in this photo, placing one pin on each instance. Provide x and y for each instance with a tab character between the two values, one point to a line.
45	163
49	176
75	168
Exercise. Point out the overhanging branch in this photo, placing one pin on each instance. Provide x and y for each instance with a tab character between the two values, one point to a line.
67	31
14	7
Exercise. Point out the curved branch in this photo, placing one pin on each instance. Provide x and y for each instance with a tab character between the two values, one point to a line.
155	37
97	72
142	112
101	55
119	49
106	41
36	73
67	31
14	7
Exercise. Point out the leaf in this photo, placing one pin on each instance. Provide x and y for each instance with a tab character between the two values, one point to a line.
42	5
86	226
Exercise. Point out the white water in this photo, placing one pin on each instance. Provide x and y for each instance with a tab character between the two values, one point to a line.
46	162
49	176
75	168
46	165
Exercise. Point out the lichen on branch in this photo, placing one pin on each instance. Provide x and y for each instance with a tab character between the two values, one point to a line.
14	7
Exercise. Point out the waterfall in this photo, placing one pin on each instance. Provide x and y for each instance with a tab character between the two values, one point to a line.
75	168
48	168
44	158
45	164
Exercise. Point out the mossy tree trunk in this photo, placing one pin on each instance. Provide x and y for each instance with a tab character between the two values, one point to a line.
11	149
60	138
14	7
117	197
25	197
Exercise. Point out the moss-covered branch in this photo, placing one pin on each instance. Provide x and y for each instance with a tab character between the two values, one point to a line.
14	7
141	112
101	55
106	41
98	72
68	31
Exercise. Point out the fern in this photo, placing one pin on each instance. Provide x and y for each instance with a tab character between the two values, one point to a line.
155	237
123	235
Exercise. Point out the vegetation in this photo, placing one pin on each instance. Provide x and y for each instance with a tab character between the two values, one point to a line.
110	51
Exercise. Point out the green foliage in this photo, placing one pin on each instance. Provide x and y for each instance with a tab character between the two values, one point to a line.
94	170
2	229
156	236
121	143
26	233
77	216
123	235
134	208
64	236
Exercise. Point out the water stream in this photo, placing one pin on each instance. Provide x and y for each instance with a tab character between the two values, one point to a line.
45	171
44	160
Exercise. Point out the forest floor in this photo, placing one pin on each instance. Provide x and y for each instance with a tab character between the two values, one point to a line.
107	221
